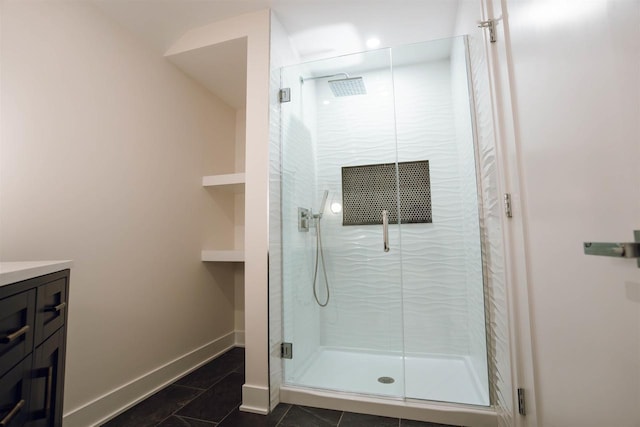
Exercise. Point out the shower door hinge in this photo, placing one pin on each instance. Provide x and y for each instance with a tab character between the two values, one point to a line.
507	205
522	409
286	350
491	25
285	95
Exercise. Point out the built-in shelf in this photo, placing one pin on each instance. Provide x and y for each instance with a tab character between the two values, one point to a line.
230	179
223	256
229	182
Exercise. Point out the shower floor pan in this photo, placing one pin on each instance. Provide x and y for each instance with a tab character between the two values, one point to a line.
437	378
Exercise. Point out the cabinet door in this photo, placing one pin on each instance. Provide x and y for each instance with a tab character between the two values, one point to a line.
16	328
47	382
14	394
51	308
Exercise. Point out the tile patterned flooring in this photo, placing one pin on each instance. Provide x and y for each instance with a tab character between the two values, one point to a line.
210	396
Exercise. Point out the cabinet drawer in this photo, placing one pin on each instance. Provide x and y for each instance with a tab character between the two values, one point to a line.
51	308
16	328
14	394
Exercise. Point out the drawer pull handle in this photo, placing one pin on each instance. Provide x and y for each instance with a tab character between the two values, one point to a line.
7	419
56	308
14	336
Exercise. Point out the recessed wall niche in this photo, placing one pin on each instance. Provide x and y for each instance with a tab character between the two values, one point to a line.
369	189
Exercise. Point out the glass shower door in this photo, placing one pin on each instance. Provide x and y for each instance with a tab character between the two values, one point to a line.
445	339
383	279
341	268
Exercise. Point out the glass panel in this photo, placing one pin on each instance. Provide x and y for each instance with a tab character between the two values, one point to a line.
409	322
347	335
443	287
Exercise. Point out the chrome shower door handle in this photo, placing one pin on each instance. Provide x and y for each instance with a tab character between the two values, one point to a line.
385	229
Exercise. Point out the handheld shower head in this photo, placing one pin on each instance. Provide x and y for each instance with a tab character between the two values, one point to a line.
323	203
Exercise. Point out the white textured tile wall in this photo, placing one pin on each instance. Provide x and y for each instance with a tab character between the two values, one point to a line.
301	316
469	189
433	255
493	250
428	274
365	311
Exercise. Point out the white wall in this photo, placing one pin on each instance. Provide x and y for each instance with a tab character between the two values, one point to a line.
577	100
238	235
102	154
255	27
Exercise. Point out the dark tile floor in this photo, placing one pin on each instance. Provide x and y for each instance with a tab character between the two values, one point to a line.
210	396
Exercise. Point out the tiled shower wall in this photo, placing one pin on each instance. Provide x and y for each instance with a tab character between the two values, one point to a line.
491	224
469	189
365	310
434	256
302	324
440	261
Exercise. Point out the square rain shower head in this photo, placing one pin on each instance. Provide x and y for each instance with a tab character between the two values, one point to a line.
348	87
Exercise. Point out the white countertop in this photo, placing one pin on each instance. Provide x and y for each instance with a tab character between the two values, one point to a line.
11	272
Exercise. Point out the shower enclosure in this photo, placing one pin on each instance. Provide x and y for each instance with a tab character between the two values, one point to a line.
380	248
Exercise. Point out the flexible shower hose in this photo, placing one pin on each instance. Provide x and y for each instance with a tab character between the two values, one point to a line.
320	256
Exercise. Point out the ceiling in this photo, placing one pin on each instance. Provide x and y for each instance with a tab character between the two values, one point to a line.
317	28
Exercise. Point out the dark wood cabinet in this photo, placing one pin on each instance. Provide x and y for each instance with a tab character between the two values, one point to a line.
17	323
33	317
47	384
14	394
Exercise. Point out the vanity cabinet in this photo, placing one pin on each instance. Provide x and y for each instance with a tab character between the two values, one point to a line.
33	317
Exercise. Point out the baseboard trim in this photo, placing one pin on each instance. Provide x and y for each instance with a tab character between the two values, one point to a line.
255	399
127	395
239	338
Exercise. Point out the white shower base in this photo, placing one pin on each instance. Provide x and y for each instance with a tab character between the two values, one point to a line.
436	378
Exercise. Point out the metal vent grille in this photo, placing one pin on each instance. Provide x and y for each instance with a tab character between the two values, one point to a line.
368	190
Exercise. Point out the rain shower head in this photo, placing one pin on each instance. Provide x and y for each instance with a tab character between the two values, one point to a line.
348	87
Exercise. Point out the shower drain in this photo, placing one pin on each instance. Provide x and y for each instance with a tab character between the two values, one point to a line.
386	380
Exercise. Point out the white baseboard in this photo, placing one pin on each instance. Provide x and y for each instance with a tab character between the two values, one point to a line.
239	338
127	395
255	399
